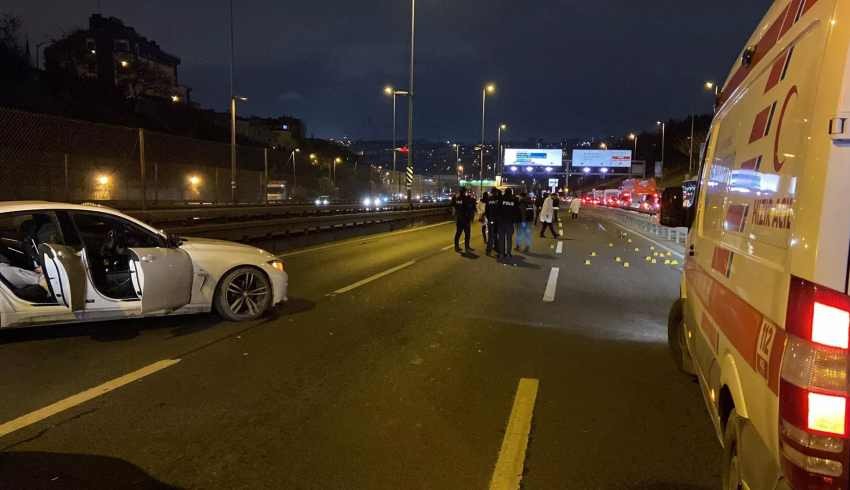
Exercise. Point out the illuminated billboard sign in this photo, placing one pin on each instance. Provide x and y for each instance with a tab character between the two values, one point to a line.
533	158
602	158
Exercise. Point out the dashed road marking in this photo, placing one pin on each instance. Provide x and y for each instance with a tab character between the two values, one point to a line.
551	285
509	467
82	397
560	248
374	278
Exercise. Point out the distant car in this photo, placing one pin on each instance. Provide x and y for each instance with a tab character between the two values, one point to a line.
374	201
322	201
86	263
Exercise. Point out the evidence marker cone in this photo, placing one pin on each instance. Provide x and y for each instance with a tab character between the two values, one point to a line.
654	261
618	259
587	262
648	258
626	265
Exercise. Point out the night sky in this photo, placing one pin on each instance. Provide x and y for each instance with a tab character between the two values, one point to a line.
564	68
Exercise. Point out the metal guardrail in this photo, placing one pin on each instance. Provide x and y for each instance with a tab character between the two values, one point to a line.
649	224
277	227
205	215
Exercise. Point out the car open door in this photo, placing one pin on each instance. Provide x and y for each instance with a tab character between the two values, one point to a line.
65	274
162	277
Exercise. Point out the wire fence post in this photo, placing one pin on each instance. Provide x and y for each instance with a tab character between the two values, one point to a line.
67	183
142	168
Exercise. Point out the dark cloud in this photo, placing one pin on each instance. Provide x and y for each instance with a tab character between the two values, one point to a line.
564	67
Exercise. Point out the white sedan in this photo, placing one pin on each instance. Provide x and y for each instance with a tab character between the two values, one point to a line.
64	263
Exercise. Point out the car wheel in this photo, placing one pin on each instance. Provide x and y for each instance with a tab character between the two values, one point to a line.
243	294
677	340
732	477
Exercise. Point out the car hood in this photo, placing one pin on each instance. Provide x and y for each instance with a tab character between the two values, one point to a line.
196	244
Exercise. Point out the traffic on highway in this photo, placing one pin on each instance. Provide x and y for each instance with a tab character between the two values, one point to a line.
192	297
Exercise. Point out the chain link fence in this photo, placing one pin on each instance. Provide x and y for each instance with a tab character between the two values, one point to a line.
52	158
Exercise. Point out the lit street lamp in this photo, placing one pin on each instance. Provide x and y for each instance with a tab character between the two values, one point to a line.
394	93
233	185
489	88
337	161
663	126
500	162
292	157
712	87
603	146
634	137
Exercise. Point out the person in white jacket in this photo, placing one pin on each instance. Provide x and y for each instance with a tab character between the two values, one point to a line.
575	207
547	217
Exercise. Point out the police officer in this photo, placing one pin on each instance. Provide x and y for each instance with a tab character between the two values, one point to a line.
508	216
464	210
491	214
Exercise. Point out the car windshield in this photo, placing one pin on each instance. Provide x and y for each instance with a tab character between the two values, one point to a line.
420	244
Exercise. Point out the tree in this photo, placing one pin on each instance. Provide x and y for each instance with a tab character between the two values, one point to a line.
141	78
13	62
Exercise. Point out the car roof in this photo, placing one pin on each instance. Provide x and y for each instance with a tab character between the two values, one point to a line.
14	206
22	206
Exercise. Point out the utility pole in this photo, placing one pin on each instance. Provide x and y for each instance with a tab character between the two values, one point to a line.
410	99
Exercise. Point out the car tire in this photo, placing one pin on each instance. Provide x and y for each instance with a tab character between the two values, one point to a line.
732	474
244	294
676	339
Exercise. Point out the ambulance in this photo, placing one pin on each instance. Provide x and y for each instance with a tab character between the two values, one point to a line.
763	321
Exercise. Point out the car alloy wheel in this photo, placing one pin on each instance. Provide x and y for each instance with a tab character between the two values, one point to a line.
244	294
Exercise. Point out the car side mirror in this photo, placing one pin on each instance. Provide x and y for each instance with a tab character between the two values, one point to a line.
173	241
673	212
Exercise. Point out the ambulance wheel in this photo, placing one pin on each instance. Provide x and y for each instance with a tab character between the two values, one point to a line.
732	464
676	339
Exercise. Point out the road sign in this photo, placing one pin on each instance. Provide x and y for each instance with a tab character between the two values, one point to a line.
553	183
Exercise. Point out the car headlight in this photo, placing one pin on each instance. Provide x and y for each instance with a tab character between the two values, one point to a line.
318	202
325	202
277	265
367	202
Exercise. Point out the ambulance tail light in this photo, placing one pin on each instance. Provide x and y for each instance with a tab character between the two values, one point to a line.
814	421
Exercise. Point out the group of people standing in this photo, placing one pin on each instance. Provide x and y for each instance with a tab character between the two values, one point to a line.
507	220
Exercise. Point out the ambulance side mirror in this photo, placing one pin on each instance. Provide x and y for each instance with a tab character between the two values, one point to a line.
673	212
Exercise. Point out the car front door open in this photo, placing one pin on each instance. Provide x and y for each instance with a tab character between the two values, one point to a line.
162	277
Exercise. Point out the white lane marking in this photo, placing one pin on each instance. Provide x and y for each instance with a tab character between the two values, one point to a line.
665	247
448	247
362	240
551	285
374	277
601	227
509	467
82	397
560	248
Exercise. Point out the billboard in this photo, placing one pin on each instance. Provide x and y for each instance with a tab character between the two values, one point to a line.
533	158
602	158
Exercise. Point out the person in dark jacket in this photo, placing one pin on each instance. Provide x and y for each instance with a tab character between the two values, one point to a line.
492	216
464	211
525	223
508	216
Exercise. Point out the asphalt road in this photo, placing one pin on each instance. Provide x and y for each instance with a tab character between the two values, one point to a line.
405	382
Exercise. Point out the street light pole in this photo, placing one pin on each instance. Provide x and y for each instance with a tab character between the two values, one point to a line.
663	141
233	189
394	93
294	181
410	98
499	162
487	88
